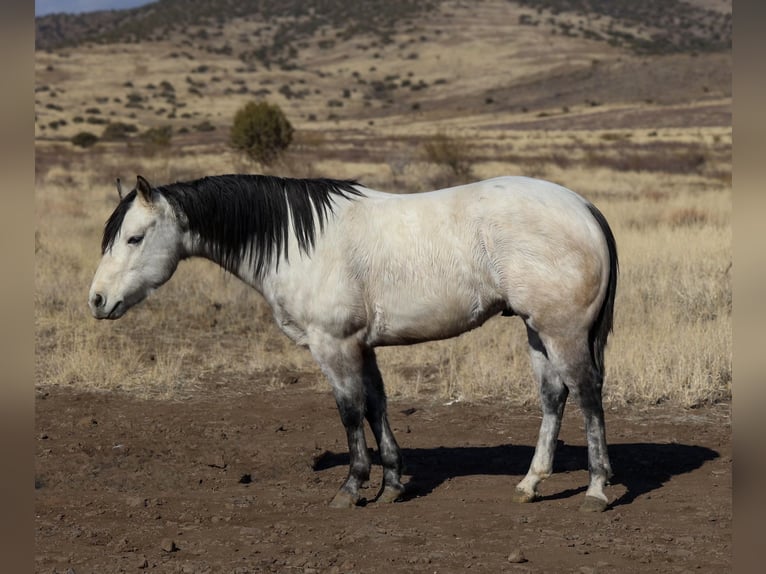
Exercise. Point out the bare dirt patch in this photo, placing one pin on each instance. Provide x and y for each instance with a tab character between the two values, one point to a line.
238	480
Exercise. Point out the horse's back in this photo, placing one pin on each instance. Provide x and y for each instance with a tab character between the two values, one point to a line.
435	264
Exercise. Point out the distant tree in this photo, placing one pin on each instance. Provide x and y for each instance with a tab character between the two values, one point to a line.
261	131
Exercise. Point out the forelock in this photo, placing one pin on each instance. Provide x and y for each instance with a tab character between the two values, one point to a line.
114	223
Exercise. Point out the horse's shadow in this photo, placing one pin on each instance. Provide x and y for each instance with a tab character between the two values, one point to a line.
640	467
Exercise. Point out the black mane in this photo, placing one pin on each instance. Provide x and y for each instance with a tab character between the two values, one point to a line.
233	213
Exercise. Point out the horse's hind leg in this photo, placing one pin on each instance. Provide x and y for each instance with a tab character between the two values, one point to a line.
377	417
570	358
553	396
589	396
342	363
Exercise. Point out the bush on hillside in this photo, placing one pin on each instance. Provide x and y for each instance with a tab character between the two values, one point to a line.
449	152
261	131
118	131
158	136
84	139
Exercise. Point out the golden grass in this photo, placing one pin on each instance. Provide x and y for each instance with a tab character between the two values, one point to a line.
205	330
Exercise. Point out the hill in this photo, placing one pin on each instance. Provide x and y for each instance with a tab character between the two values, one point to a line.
651	26
533	63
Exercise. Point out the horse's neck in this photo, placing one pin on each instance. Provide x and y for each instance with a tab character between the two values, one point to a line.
276	268
196	246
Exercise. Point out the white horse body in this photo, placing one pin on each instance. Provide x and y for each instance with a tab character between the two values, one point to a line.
403	269
346	268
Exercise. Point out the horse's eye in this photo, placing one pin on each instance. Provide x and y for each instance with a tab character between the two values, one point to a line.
135	239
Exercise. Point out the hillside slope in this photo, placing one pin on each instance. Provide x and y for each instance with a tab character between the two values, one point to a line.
401	66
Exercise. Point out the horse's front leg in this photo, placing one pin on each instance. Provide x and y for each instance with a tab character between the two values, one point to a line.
342	363
377	416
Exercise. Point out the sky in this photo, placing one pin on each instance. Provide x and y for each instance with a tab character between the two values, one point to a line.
43	7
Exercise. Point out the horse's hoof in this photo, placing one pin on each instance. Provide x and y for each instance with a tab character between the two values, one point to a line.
344	500
593	504
390	494
523	496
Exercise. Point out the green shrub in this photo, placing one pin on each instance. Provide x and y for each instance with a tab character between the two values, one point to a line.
84	139
261	131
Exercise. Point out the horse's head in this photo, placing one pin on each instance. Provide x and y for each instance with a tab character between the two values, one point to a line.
141	248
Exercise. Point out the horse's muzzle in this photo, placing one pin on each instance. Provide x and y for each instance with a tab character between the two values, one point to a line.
101	309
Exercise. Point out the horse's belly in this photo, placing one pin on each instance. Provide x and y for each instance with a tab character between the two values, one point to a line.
412	319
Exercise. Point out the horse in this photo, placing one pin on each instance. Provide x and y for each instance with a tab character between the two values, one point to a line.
346	268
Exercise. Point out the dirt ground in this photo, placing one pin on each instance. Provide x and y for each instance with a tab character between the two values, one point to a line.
238	480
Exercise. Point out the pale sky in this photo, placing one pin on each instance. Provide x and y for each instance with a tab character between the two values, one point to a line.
43	7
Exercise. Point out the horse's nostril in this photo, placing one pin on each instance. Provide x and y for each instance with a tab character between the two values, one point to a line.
98	300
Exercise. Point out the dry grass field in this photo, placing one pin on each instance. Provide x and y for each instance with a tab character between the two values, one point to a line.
646	137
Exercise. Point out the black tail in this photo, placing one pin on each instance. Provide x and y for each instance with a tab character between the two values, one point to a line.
599	331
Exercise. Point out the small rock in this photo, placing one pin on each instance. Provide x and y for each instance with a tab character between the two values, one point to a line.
246	479
516	557
85	422
142	563
168	545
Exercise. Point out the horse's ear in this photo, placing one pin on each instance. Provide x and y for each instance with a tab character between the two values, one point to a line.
144	189
119	188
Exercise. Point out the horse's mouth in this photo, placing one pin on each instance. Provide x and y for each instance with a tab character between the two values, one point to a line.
117	311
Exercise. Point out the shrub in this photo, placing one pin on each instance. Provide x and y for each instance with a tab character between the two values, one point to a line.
452	153
118	131
261	131
159	136
84	139
204	126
